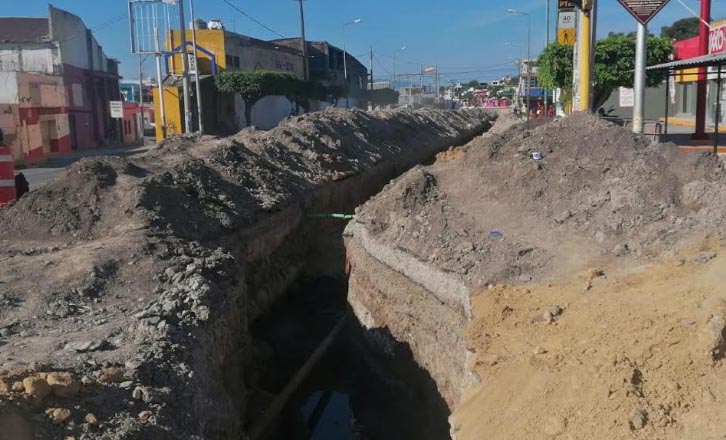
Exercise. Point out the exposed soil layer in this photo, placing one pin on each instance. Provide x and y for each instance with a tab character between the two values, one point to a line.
490	215
141	278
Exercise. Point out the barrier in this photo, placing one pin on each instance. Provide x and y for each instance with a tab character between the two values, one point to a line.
7	176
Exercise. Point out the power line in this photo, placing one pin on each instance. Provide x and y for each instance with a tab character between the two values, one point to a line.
253	19
381	64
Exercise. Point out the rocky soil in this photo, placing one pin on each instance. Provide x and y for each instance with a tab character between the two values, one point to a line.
128	286
531	239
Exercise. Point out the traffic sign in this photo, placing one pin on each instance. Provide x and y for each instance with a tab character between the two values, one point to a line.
567	20
643	10
568	4
566	36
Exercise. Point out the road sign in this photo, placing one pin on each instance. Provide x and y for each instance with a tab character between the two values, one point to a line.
117	109
566	36
567	20
567	4
643	10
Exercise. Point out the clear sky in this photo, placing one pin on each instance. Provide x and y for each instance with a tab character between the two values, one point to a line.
465	38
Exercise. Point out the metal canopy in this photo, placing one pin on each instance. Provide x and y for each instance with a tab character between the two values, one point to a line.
716	59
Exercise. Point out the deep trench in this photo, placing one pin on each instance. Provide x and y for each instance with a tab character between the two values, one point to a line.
356	390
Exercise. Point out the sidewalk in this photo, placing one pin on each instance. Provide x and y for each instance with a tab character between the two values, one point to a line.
38	176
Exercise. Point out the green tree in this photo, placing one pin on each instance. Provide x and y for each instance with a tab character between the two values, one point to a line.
474	84
681	29
254	85
614	65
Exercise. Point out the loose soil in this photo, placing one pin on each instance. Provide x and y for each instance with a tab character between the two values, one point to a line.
142	277
583	288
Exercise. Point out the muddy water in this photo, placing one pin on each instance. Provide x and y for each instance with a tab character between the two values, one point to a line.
354	392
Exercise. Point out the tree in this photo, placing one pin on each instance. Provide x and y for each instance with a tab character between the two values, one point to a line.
681	29
614	65
254	85
382	97
474	84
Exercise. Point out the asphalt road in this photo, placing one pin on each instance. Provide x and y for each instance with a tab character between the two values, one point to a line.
40	176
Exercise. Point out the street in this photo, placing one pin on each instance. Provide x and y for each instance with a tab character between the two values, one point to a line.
39	176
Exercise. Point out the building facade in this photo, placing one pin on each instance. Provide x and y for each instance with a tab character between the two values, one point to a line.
219	50
57	84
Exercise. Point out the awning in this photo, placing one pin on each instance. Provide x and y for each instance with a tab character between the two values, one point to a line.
716	59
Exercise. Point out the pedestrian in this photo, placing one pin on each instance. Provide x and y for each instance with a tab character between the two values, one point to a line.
21	185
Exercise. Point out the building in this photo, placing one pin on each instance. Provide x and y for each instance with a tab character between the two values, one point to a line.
682	88
219	50
138	98
326	66
57	84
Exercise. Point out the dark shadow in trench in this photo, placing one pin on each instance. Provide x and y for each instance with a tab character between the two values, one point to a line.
356	391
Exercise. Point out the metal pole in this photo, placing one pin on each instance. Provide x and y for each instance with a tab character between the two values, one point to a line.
345	72
141	99
196	63
394	70
667	104
159	81
185	69
306	68
529	64
641	49
702	87
584	42
718	111
593	43
547	42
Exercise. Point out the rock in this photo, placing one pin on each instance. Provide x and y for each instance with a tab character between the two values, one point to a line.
91	419
711	338
137	393
126	384
5	332
85	380
704	257
466	246
144	416
36	387
63	385
58	415
18	387
87	346
539	350
111	375
638	419
549	315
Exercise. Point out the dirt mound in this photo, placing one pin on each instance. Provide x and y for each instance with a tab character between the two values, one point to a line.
155	267
498	214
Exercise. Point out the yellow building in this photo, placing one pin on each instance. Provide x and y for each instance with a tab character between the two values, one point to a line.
218	50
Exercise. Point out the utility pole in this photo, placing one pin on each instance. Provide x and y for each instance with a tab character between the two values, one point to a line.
160	81
306	69
185	69
371	87
196	67
702	87
641	50
437	83
584	43
141	99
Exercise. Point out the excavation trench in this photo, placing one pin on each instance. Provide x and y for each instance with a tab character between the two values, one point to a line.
363	384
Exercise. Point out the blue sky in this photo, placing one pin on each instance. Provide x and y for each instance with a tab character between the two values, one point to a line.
465	38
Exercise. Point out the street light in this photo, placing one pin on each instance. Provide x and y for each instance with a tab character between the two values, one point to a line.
394	65
529	53
345	52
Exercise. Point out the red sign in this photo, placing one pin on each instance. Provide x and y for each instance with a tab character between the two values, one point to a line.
643	10
717	40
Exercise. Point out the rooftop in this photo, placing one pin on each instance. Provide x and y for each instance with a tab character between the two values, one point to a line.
23	30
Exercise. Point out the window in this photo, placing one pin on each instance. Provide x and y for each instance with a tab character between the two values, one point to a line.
233	62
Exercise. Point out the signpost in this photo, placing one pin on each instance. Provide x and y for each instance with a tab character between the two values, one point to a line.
643	10
117	109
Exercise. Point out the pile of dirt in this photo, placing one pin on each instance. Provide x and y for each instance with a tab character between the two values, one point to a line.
155	267
580	271
498	215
